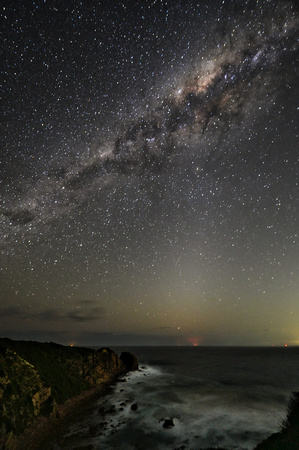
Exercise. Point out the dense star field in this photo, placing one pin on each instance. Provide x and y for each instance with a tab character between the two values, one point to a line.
150	172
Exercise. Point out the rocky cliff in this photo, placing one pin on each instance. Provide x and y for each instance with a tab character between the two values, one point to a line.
35	378
288	437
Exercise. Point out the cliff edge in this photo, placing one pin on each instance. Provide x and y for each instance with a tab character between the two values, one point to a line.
288	437
36	378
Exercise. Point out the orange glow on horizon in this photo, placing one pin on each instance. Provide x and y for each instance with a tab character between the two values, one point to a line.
195	341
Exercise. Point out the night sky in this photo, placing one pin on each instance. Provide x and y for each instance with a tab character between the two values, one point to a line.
149	172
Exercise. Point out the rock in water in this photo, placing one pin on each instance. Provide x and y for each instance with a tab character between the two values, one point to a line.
168	423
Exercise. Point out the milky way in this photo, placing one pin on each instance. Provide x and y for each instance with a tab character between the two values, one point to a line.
222	89
172	164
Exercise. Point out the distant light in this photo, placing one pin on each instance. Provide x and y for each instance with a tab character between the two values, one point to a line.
195	341
285	345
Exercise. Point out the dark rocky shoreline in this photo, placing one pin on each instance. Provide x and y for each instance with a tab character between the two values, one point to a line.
43	386
288	437
46	431
46	387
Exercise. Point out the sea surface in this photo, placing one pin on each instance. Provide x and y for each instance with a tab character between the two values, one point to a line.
230	397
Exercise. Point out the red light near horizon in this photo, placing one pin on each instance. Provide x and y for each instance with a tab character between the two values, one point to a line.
194	341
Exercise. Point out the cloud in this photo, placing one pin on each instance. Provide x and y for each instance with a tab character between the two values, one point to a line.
11	311
92	338
84	311
86	314
60	337
164	328
49	315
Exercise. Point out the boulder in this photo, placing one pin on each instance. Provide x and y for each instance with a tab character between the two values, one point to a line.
168	423
130	361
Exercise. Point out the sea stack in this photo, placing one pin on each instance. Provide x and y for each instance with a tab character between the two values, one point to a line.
130	361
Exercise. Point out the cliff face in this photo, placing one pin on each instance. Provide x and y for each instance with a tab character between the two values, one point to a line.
37	377
23	395
288	437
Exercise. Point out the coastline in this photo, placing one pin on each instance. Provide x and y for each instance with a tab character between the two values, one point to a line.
125	407
45	432
44	386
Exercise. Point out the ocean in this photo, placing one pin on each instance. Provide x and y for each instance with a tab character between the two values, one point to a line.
191	398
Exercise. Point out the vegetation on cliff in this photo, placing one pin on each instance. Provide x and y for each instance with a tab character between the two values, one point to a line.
35	378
